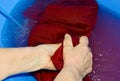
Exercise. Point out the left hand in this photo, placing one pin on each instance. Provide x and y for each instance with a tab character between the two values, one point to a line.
26	59
42	57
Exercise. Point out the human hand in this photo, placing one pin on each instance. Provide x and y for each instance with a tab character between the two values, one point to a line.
41	57
79	57
26	59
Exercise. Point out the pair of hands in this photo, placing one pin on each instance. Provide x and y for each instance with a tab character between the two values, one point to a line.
77	60
78	57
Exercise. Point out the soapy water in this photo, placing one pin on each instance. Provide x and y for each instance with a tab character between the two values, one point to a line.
104	43
105	46
17	36
22	33
106	62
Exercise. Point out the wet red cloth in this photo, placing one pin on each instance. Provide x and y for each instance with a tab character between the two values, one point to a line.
73	19
49	34
35	11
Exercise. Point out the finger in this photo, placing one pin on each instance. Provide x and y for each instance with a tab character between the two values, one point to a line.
86	70
67	41
84	40
90	56
89	61
89	70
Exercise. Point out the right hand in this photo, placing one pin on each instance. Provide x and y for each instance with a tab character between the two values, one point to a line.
79	57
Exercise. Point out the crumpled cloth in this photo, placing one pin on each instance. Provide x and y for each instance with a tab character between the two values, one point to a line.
56	21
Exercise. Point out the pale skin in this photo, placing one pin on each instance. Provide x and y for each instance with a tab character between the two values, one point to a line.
77	60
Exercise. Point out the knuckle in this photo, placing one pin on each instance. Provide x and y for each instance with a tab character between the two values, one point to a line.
90	69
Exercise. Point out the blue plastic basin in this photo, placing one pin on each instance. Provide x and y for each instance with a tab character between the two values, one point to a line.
104	40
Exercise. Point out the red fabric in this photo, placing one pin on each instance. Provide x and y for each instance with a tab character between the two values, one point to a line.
56	21
80	18
35	11
51	33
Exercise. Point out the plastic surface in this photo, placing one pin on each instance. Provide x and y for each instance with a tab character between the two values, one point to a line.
11	17
21	77
7	6
2	21
112	5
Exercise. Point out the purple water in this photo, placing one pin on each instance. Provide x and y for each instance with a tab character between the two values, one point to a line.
105	44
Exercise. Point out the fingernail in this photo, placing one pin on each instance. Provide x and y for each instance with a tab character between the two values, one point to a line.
66	35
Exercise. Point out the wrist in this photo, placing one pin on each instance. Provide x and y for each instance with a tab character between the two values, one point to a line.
45	57
75	71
